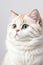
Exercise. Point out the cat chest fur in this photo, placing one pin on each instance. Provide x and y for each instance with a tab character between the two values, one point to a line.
26	56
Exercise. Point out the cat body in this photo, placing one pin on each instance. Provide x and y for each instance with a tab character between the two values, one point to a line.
25	40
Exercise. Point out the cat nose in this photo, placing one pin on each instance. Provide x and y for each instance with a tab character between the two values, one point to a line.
17	30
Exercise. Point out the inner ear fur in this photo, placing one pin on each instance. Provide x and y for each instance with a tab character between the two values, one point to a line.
35	15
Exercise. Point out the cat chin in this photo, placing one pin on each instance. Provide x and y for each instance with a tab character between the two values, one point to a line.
17	38
22	38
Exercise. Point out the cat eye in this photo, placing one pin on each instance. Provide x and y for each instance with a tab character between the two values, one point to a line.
14	25
25	26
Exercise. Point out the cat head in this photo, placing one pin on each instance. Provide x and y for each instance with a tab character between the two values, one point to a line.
25	27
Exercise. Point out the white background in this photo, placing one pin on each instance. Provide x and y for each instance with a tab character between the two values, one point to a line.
19	6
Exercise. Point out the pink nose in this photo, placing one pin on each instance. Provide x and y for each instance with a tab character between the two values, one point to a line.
17	30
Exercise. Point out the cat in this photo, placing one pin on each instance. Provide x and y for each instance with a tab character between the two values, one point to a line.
24	40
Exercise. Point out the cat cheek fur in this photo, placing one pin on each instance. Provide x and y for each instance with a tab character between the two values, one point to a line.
11	33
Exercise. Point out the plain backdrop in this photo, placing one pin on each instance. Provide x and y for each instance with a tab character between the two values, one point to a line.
19	6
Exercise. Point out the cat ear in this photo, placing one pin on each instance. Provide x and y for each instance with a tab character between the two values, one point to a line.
35	15
13	14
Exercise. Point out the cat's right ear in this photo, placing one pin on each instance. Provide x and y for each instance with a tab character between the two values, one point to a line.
13	14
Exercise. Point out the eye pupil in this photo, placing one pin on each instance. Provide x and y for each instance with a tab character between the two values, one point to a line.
24	26
14	25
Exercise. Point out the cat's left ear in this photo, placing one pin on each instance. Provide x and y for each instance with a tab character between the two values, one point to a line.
35	16
13	14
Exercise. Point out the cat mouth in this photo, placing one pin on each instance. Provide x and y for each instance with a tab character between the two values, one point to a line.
18	38
16	35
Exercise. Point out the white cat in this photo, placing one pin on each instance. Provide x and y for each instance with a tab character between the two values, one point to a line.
24	40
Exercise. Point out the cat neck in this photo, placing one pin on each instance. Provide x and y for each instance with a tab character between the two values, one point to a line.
24	45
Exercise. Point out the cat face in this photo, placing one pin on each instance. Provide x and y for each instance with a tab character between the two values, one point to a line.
25	27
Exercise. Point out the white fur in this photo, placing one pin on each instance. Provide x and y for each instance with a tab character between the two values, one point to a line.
22	49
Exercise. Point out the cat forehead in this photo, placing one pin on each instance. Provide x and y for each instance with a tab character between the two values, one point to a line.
18	19
23	19
28	19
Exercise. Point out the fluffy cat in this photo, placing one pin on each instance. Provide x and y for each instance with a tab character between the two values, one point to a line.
24	39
